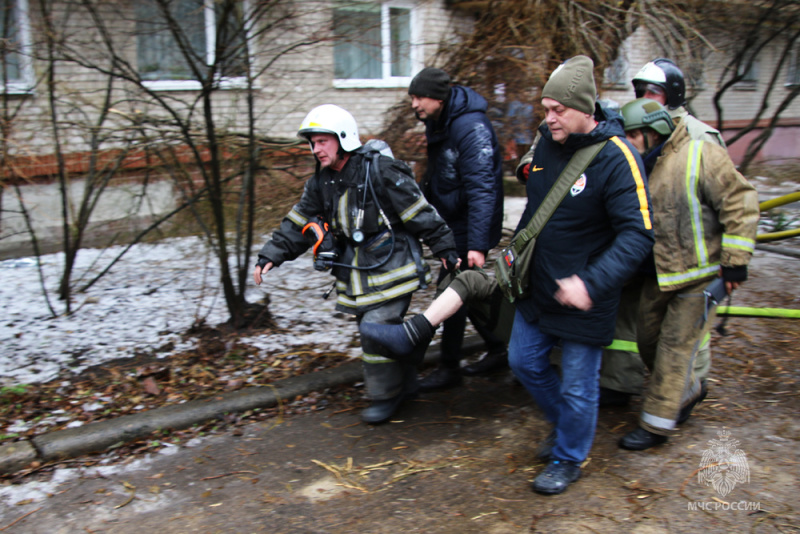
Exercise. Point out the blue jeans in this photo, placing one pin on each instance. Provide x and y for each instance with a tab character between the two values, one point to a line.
569	401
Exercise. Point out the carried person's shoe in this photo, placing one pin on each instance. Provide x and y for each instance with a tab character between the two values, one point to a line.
404	342
380	411
490	361
641	439
556	477
441	378
686	411
612	397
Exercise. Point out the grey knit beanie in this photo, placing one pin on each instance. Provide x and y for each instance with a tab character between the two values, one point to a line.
431	82
572	84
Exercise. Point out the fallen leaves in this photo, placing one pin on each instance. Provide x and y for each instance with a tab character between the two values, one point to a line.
147	382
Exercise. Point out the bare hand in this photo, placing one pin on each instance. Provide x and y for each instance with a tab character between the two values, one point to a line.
573	294
258	272
475	258
730	286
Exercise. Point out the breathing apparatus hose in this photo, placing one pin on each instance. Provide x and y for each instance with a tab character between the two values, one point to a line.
385	221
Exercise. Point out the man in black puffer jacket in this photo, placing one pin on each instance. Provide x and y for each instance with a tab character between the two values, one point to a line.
464	182
595	240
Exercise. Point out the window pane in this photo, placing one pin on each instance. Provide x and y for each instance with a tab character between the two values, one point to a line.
158	52
400	31
793	69
9	44
231	41
357	50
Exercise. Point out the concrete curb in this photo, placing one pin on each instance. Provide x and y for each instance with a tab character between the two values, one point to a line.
97	437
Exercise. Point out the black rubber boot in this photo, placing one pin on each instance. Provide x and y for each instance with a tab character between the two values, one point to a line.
380	411
641	439
686	411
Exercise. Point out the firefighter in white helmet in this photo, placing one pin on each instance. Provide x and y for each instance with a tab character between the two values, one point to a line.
661	80
373	216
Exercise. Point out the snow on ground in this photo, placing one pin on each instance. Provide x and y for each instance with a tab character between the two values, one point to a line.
149	299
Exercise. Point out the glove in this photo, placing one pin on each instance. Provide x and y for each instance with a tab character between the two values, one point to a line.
262	262
450	257
734	274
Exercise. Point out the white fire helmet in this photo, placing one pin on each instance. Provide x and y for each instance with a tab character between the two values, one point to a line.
331	119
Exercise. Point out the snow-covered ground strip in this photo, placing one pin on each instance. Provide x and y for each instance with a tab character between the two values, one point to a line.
148	299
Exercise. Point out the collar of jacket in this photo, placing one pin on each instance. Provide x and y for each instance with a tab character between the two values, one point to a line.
678	138
350	174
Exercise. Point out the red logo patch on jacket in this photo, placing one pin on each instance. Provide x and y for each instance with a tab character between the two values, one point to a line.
578	186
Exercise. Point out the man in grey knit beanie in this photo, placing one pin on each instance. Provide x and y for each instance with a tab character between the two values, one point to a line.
572	84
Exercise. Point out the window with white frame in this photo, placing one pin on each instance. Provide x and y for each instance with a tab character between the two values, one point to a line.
749	81
793	68
374	44
16	71
188	28
616	75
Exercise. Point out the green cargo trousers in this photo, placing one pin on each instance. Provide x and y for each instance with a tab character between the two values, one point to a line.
623	369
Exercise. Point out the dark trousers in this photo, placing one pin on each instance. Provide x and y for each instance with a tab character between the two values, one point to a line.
453	334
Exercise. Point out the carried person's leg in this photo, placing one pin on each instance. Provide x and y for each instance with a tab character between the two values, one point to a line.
622	370
401	341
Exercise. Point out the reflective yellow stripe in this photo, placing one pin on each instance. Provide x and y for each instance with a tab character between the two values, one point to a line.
738	242
381	296
413	209
671	279
375	358
695	209
637	177
298	218
621	344
395	274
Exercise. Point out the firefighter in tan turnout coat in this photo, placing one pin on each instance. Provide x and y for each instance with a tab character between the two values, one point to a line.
705	215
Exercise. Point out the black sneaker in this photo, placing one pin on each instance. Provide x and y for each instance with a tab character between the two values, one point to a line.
491	361
441	378
556	477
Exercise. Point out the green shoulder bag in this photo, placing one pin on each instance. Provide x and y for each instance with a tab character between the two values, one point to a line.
512	267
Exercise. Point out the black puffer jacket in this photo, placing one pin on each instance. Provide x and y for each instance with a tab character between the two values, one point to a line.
337	197
464	177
